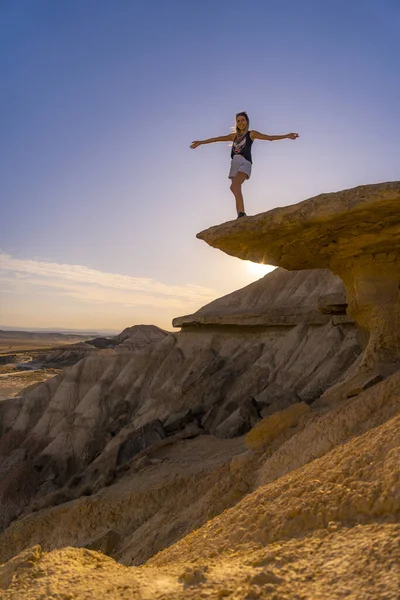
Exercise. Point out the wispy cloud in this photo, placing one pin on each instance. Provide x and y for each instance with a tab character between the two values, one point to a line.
90	285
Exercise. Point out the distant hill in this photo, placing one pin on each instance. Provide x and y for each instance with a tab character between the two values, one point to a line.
11	341
63	330
41	336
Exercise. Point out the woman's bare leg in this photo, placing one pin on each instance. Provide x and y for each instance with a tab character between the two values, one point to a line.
236	189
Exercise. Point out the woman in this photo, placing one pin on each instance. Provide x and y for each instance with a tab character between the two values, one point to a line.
242	140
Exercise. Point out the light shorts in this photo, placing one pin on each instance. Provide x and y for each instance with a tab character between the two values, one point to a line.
240	164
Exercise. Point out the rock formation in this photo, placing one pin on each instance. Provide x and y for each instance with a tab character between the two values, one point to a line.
141	455
66	356
354	233
137	337
256	351
280	299
129	340
315	516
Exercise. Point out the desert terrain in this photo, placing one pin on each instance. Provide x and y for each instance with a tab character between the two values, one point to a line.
28	358
20	353
253	454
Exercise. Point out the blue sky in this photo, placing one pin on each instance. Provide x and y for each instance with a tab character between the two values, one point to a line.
101	196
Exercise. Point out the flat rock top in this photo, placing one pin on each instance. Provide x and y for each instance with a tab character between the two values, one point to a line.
308	235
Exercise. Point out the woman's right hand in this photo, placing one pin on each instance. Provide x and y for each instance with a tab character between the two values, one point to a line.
194	145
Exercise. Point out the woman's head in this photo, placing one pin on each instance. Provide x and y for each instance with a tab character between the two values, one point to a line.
242	123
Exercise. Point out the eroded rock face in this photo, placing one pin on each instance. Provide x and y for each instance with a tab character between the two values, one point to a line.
318	494
96	416
326	500
130	339
354	233
138	337
69	355
281	298
332	304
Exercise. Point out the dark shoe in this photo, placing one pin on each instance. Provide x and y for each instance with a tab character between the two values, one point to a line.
241	214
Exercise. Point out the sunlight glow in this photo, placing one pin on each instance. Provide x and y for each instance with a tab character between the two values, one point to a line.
258	268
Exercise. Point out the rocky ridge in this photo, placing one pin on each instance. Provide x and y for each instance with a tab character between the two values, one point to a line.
130	339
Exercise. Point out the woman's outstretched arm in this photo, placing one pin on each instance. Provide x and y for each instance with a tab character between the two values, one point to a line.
222	138
256	135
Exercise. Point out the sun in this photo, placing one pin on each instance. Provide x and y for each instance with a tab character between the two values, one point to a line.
258	269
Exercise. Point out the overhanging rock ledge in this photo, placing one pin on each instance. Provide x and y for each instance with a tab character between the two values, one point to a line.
355	233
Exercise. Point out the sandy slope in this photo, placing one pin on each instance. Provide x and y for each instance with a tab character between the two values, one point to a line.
357	563
326	529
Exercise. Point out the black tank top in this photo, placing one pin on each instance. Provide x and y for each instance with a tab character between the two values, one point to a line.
242	147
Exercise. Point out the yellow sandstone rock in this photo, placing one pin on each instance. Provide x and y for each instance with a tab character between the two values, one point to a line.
355	233
267	430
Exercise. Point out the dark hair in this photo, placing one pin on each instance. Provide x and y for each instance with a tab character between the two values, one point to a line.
242	114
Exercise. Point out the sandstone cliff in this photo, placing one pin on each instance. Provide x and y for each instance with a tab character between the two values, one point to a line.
354	233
